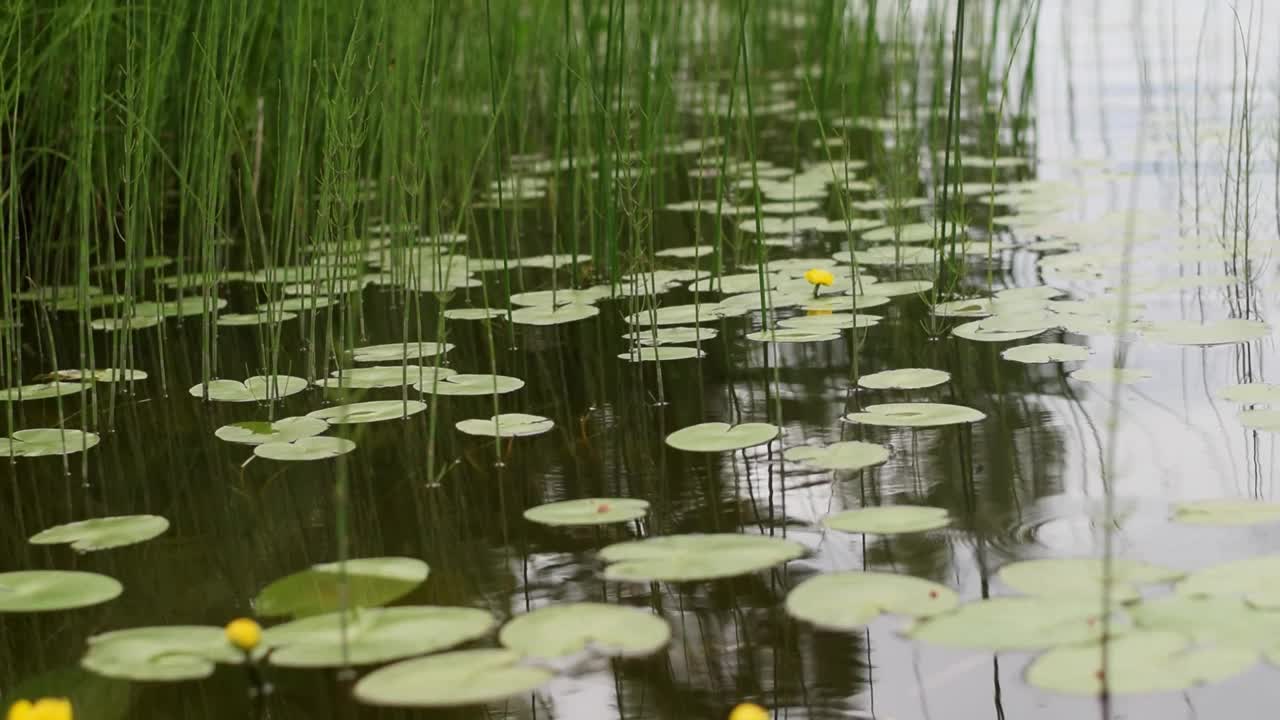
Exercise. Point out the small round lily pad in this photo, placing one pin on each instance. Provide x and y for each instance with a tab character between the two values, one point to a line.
1226	512
258	388
904	379
369	411
559	631
39	391
1046	353
847	455
507	425
384	376
1082	577
456	384
373	635
167	653
915	415
304	449
257	432
889	519
1137	661
370	582
103	533
42	442
462	677
722	437
558	315
47	590
1013	623
685	558
661	353
849	600
399	351
588	511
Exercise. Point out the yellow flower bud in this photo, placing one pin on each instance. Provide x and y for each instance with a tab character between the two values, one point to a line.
244	633
750	711
817	276
42	709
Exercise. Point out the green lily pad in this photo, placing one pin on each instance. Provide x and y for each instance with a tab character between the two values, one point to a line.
559	631
1262	419
904	379
303	449
462	677
661	353
722	437
384	376
1251	393
686	558
841	303
182	307
563	296
1046	353
455	384
254	318
46	590
794	335
1256	579
1013	623
1222	332
39	391
543	315
1122	376
677	315
103	533
373	635
107	375
151	262
42	442
284	430
111	324
849	600
370	582
1226	512
368	411
167	653
1219	621
399	351
672	335
1082	577
1137	662
258	388
481	313
976	332
889	519
829	322
588	511
847	455
909	233
507	425
915	415
296	304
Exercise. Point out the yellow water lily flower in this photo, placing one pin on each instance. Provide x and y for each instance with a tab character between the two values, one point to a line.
244	633
751	711
817	277
42	709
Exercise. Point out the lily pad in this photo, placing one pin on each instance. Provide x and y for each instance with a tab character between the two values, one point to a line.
794	335
399	351
1226	512
976	332
284	430
1251	393
167	653
373	635
547	315
849	600
1137	662
463	677
1046	353
39	391
258	388
303	449
1256	579
107	375
1083	577
889	519
480	313
368	411
588	511
722	437
42	442
103	533
370	582
1262	419
254	318
46	590
1122	376
672	335
915	415
1222	332
661	353
686	558
847	455
507	425
383	376
111	324
1220	621
1013	623
559	631
563	296
455	384
677	315
904	379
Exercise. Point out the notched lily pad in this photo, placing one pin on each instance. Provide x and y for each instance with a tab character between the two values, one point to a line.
369	411
1226	512
304	449
257	432
167	653
103	533
43	442
370	582
507	425
889	519
463	677
686	558
1083	577
722	437
847	455
258	388
588	511
1013	623
559	631
47	590
915	415
1046	353
1138	661
904	379
849	600
373	635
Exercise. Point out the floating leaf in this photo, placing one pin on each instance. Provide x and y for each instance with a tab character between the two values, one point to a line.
182	307
303	449
794	335
1226	512
41	442
1251	393
39	391
722	437
1122	376
384	376
847	455
1137	662
1083	577
1222	621
915	415
829	322
166	653
889	519
559	631
1256	579
661	354
507	425
672	335
677	315
463	677
1222	332
588	511
849	600
909	233
563	296
904	379
103	533
1263	419
258	388
399	351
684	558
1013	623
454	384
46	590
370	582
976	332
254	318
107	375
296	304
368	411
1046	353
111	324
548	315
373	635
255	432
481	313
